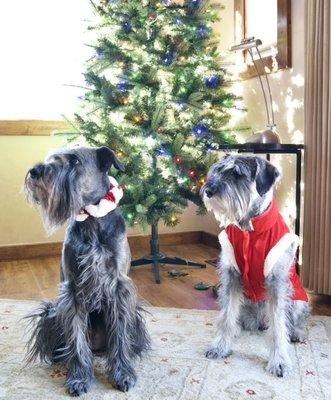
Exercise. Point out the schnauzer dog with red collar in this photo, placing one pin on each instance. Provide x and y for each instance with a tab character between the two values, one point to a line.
97	308
259	286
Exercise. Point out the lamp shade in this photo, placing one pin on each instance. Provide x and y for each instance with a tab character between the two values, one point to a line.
268	135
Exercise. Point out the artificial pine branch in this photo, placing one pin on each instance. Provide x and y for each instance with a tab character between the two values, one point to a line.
157	86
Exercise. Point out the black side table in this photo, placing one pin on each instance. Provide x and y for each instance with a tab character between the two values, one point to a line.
260	148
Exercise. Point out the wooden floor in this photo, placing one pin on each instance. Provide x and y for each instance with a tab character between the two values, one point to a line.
38	278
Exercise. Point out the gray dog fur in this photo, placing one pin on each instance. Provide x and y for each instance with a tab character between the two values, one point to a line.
238	188
97	307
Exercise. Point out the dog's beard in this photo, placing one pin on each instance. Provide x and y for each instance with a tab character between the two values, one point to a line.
215	205
58	197
233	206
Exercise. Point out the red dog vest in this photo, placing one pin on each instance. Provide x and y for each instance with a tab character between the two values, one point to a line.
257	251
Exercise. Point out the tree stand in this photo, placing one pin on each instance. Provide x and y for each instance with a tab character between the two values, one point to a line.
155	257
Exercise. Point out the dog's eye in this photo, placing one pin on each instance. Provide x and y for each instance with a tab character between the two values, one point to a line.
74	160
236	174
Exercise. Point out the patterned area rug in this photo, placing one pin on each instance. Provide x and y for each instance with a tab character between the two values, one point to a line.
176	368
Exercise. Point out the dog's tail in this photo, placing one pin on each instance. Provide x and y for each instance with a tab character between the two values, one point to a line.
141	341
46	340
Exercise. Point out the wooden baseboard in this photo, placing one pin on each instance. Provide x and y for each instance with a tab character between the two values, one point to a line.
31	127
166	239
210	239
26	251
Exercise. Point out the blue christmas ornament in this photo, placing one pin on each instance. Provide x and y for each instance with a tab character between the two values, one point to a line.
166	2
99	51
202	31
168	58
181	104
193	4
199	130
212	81
123	84
126	26
161	150
178	20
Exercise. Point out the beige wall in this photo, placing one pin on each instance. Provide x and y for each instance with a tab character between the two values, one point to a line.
21	224
288	91
288	94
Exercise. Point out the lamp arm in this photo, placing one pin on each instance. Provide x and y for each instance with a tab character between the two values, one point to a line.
246	44
269	90
262	86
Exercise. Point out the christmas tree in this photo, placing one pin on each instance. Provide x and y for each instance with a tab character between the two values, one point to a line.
159	97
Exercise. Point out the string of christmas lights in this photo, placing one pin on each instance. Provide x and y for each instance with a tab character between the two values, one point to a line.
159	97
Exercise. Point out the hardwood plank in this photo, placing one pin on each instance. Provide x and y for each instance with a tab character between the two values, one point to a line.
38	279
17	281
179	292
320	304
46	271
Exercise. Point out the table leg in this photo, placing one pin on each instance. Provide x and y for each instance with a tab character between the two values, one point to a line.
298	193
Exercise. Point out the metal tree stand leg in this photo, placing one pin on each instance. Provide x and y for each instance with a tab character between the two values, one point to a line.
155	257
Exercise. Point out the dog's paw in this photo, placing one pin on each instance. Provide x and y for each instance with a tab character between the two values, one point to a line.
279	369
216	352
77	387
125	380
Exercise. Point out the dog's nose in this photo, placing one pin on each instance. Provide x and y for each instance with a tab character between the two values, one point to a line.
36	171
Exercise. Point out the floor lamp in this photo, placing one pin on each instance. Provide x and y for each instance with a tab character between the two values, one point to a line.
268	135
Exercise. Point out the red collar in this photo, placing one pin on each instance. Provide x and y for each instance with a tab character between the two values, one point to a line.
267	219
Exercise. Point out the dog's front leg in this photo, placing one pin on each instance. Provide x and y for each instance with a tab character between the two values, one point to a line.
120	318
278	288
230	296
78	353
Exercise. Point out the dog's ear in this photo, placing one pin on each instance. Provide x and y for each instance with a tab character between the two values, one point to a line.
106	158
245	167
266	176
117	163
